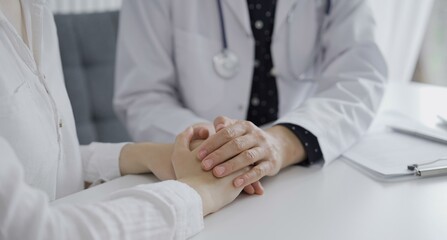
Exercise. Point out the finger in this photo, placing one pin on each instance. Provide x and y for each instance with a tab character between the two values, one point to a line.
255	174
204	133
244	159
222	122
182	141
195	144
219	139
228	151
250	190
236	174
258	188
200	133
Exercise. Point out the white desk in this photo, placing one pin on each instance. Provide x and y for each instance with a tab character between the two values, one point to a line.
336	202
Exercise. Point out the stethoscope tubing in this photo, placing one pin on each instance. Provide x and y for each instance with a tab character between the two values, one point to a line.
226	63
222	26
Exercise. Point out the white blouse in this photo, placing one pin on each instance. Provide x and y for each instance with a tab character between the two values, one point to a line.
35	113
166	210
41	160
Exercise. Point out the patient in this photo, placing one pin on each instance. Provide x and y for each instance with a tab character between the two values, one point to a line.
42	161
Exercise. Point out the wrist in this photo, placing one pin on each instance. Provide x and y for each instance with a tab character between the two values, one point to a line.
291	149
137	158
158	160
132	158
195	184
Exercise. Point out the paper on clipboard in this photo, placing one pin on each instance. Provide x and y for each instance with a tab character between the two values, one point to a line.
414	129
388	153
384	153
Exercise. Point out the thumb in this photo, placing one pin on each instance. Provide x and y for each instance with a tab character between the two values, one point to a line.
201	133
183	140
222	122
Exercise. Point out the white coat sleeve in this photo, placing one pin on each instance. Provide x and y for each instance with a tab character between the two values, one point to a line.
147	97
100	161
350	83
166	210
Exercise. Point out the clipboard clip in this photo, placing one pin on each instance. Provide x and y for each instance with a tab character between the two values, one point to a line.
428	171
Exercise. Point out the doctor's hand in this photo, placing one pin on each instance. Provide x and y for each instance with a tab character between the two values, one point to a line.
215	192
238	144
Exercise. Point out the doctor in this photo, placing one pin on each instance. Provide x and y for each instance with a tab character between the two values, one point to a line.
299	81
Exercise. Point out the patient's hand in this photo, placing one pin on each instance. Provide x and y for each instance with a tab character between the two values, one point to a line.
215	193
137	158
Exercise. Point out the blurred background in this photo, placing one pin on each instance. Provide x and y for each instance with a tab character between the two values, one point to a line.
432	63
412	34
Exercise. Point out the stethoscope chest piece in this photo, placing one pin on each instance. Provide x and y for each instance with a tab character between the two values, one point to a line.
226	64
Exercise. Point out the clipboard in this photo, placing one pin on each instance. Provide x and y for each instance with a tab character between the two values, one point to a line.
386	155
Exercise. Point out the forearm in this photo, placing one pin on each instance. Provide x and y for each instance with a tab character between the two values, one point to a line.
137	158
167	210
131	159
290	147
163	210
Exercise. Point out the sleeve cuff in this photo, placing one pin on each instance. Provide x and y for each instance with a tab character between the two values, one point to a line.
180	199
309	141
101	161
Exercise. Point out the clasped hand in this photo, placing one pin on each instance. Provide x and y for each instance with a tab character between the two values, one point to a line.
238	144
223	149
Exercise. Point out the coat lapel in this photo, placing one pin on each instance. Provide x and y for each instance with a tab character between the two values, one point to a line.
282	11
240	10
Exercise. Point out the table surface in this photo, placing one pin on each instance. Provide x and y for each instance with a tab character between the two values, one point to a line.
334	202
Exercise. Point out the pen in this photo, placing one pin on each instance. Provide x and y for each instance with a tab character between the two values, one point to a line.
430	171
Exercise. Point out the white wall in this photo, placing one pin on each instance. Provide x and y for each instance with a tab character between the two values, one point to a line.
402	25
433	59
80	6
401	28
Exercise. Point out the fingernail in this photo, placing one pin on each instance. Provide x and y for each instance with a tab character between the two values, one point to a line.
207	164
239	182
202	154
219	170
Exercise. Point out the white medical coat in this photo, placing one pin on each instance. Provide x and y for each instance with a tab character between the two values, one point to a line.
330	72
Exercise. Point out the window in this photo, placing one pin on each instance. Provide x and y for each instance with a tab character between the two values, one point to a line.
432	64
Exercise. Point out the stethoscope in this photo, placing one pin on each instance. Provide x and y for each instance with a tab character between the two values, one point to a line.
226	62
